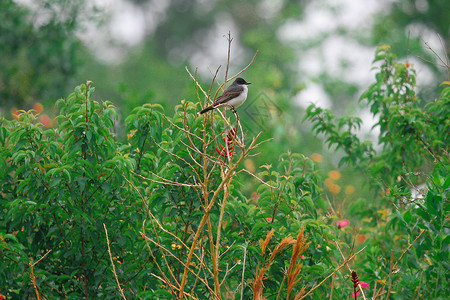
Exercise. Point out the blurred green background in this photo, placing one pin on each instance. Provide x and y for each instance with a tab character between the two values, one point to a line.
135	52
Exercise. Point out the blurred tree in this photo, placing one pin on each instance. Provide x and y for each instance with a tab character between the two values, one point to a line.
188	33
412	23
418	31
433	14
38	51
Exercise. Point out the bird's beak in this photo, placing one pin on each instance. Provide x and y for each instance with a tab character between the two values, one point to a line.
248	83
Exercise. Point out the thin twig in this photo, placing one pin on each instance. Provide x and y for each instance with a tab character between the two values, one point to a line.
334	272
394	268
230	39
173	286
177	259
166	280
167	181
227	271
196	82
178	157
257	178
112	263
33	277
181	128
156	220
219	227
350	270
242	71
48	251
243	271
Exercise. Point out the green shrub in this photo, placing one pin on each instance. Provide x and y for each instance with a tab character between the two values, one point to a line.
160	214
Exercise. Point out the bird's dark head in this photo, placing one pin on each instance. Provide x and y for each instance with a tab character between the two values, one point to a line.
240	80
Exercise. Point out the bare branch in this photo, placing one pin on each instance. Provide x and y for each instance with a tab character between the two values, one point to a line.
178	260
196	83
257	178
33	277
350	270
112	263
166	181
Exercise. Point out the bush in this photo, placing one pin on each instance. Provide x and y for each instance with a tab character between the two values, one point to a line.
405	223
160	214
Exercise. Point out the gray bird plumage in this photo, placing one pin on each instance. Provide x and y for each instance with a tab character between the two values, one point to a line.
234	95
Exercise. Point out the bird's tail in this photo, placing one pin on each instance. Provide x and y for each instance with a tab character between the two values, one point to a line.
206	110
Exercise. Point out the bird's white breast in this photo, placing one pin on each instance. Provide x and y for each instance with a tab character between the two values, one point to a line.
235	102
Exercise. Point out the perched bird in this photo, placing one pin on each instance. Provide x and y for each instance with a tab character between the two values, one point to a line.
234	95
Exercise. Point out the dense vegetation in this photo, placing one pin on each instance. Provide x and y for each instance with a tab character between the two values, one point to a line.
142	198
161	214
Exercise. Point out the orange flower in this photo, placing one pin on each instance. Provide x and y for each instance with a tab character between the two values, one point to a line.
334	174
255	196
334	188
38	107
45	120
361	238
316	157
328	182
15	113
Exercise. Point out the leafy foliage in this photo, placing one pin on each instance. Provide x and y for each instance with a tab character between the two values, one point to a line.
62	185
179	225
59	186
407	231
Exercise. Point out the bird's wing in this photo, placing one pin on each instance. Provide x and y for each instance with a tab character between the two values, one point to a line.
228	95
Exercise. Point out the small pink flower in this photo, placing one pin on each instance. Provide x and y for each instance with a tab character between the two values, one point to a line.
364	285
269	220
342	224
353	294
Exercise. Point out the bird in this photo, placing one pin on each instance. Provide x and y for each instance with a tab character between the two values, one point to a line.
234	95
